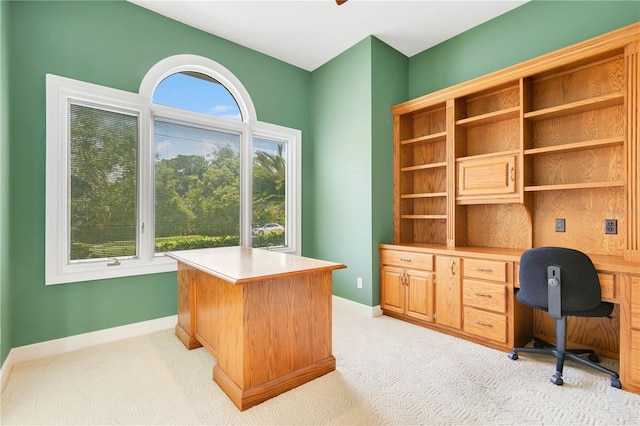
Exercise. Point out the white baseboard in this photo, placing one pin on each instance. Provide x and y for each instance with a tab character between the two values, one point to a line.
79	341
364	310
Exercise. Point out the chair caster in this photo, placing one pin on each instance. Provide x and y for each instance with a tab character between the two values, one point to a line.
557	380
593	358
615	383
513	355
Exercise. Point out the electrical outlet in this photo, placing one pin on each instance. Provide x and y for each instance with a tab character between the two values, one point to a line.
560	225
359	282
610	226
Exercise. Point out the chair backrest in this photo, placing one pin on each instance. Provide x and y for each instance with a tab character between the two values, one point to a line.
580	288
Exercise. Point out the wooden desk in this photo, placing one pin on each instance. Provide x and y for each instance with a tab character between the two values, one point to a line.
418	280
265	316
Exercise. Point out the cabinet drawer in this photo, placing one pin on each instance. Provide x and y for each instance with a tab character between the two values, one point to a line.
485	324
485	270
407	259
485	295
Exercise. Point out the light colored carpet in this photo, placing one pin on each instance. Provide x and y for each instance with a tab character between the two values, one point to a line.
388	373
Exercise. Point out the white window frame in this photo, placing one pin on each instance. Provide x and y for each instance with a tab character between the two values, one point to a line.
60	91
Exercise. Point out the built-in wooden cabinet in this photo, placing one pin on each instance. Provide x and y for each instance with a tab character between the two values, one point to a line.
448	292
407	284
483	169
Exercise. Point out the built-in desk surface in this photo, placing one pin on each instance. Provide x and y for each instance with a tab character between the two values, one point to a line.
239	265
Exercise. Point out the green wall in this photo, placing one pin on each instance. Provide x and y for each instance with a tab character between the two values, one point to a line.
340	169
112	44
531	30
351	162
5	306
389	85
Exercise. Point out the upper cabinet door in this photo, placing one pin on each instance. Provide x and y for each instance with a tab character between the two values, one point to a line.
487	176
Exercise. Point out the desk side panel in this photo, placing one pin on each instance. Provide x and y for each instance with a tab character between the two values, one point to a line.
287	325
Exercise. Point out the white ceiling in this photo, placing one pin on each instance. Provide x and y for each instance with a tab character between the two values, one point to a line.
308	33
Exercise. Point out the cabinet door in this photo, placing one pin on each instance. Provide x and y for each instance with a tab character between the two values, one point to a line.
420	295
448	291
392	289
487	176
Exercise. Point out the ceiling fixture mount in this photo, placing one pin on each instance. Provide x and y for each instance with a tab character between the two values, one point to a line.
340	2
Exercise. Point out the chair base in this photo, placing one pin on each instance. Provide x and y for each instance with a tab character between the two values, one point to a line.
544	348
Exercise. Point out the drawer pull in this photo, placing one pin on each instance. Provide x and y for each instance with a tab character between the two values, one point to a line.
479	269
483	295
483	324
402	259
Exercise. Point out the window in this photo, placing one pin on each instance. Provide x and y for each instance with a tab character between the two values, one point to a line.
133	175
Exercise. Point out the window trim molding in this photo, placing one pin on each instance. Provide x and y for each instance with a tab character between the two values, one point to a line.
59	92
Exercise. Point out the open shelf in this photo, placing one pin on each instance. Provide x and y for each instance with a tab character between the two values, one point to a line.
584	185
577	107
575	146
425	195
490	117
435	137
423	166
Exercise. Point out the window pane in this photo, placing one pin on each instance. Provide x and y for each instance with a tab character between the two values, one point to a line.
197	187
103	180
269	193
197	92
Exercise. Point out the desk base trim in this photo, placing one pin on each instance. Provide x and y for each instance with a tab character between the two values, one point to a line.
190	342
247	398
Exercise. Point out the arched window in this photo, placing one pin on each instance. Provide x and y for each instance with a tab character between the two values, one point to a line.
182	164
197	92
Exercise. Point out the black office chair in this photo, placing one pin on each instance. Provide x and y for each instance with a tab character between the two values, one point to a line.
564	283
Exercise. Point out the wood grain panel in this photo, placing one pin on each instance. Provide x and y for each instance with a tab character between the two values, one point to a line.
231	314
498	225
287	325
584	212
633	151
429	121
634	290
600	334
494	137
496	99
582	81
584	166
449	291
593	125
206	310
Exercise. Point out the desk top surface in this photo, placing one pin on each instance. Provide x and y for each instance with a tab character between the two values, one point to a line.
240	265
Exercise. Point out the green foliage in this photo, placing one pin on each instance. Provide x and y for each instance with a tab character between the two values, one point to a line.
197	197
189	242
271	239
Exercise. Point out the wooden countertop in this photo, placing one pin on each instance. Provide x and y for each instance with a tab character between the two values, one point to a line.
601	262
241	265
